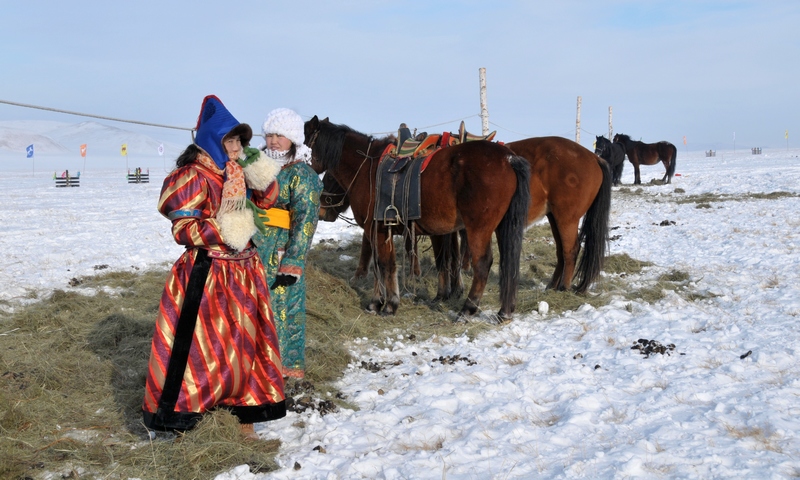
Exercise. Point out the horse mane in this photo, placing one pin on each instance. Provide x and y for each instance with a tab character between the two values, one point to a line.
624	138
330	142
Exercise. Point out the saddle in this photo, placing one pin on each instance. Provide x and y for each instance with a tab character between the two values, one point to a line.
400	168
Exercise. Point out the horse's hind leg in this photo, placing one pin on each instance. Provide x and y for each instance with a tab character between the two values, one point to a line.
442	257
481	250
455	263
565	234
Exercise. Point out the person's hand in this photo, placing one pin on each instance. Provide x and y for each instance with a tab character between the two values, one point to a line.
259	216
250	155
283	280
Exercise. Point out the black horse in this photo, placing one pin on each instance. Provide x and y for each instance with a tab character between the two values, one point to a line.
614	154
640	153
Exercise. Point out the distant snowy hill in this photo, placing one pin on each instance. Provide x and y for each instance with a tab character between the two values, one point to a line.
60	137
18	140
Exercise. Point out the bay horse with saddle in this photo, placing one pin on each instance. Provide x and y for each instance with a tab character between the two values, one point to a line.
481	187
640	153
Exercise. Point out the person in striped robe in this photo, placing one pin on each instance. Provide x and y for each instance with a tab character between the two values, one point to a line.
215	343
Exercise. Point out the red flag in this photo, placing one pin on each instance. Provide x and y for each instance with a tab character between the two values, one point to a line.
83	150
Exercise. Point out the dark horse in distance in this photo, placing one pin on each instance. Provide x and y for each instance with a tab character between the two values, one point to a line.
567	183
480	186
640	153
614	154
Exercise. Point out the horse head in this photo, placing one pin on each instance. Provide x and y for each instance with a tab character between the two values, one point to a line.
333	200
311	130
600	144
621	138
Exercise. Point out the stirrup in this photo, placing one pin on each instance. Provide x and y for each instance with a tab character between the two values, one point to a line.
393	222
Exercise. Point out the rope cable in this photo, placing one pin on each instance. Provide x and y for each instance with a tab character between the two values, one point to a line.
96	116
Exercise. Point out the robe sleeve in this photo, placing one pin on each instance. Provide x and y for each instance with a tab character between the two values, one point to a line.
187	199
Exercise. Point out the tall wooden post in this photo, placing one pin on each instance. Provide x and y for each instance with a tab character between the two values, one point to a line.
484	110
610	128
578	122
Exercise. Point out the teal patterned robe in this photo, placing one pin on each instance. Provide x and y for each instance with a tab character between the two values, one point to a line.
284	251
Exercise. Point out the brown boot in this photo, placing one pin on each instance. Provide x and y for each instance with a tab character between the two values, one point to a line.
248	431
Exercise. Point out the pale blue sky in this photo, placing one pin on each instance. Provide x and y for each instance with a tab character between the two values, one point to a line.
703	69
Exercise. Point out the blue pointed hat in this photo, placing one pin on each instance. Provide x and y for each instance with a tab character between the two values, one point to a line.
214	123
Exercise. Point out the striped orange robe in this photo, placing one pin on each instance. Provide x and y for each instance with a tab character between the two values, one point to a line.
234	360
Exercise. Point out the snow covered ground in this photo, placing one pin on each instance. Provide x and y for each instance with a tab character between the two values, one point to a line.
554	396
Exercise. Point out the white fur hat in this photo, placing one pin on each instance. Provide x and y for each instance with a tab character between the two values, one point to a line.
288	123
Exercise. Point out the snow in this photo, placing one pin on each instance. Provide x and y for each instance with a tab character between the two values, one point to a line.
547	395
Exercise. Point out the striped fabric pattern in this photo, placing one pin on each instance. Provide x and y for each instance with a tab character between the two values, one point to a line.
234	360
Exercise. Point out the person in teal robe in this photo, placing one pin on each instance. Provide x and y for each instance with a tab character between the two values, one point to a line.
290	227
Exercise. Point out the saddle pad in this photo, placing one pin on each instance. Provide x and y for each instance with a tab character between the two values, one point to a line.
398	190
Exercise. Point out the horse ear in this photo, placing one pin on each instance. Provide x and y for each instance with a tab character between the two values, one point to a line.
325	120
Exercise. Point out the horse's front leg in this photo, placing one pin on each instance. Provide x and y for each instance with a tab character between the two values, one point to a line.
386	294
364	258
638	179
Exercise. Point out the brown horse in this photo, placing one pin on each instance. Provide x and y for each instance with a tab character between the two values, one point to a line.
567	182
479	186
640	153
333	202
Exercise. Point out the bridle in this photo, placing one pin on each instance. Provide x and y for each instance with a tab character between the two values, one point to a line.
346	190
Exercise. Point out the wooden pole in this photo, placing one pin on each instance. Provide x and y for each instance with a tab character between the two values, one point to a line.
578	122
610	128
484	110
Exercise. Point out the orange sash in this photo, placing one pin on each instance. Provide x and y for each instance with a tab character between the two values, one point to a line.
278	217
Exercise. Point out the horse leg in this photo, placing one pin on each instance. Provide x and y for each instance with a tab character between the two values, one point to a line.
364	258
386	294
456	264
466	260
438	245
481	251
565	234
666	178
638	179
557	282
618	168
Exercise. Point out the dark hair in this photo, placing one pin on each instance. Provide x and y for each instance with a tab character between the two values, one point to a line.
187	156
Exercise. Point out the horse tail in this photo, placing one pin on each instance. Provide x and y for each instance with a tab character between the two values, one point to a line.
509	235
594	234
671	169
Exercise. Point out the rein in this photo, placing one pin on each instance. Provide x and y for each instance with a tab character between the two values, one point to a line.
346	190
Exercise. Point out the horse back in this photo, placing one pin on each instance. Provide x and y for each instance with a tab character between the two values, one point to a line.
466	180
565	176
